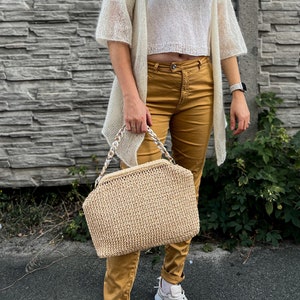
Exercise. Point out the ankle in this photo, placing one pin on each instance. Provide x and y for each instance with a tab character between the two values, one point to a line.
166	286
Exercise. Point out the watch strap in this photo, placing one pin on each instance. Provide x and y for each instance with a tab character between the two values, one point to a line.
238	86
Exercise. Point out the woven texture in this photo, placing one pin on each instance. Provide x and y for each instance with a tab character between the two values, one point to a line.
142	207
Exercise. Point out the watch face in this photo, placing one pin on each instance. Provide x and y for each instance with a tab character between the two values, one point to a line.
244	86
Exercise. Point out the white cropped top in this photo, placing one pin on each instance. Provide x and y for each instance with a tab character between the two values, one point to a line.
180	26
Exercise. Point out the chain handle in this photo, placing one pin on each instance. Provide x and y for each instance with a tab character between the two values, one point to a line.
116	143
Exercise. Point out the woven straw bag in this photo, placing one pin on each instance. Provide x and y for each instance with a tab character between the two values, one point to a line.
141	207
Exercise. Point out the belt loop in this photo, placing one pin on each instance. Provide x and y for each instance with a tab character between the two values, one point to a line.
199	63
156	67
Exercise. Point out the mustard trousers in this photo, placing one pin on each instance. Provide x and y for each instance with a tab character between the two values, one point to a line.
180	100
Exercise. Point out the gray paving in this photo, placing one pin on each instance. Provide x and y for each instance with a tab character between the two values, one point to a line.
39	269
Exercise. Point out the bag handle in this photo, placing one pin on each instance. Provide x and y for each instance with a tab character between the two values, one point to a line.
116	143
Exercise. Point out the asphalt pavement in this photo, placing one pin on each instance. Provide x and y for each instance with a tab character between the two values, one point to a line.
37	268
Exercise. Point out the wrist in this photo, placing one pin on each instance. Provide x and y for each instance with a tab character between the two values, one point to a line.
130	95
238	87
238	97
237	92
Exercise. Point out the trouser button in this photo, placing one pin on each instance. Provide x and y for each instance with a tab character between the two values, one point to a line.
173	66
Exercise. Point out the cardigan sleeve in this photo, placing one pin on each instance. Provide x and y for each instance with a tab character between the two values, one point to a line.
115	22
230	36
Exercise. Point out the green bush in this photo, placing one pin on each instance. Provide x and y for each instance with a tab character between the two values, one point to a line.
255	195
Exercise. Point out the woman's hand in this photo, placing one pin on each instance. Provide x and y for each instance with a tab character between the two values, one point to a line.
136	115
239	113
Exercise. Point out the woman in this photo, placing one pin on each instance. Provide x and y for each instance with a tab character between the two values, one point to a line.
167	57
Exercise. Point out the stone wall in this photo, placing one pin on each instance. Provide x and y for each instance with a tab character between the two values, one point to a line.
279	55
55	82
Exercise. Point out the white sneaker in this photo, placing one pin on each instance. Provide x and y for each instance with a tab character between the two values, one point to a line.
176	293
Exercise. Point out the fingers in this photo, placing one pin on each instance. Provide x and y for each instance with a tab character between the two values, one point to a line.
239	114
241	126
136	127
139	125
148	118
133	127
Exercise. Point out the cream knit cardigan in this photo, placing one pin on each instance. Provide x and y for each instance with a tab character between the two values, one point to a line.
125	21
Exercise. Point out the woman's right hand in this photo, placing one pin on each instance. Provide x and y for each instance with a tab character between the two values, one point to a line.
136	115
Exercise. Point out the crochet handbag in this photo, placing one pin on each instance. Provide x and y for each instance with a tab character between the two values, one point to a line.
141	207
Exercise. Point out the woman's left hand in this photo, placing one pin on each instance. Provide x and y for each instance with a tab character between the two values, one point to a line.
239	113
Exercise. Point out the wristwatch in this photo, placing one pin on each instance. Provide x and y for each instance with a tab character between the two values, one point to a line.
238	86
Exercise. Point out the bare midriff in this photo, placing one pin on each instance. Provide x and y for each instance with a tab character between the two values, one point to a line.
170	57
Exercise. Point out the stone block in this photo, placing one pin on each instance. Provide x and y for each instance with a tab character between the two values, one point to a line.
93	53
86	32
288	38
56	95
47	30
10	179
87	6
268	37
47	45
87	77
32	150
51	16
63	180
53	7
16	118
264	27
280	17
16	96
18	16
19	5
3	106
89	94
91	119
287	28
287	50
4	163
56	106
266	60
31	161
290	59
284	79
289	116
5	56
264	78
280	6
23	105
278	69
51	118
269	48
77	42
14	29
83	15
15	45
2	75
31	73
37	62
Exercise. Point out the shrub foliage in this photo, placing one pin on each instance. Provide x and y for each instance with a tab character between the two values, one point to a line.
255	195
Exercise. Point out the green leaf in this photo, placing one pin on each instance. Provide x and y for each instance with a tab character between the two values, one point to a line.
235	207
243	180
273	237
269	208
